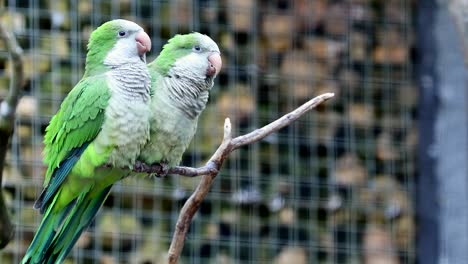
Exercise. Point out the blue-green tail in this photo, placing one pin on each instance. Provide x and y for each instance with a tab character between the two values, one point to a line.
45	234
58	233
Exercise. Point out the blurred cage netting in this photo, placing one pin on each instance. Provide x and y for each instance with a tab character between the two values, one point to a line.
335	187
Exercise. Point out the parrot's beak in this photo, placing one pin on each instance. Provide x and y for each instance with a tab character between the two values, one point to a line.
215	64
143	43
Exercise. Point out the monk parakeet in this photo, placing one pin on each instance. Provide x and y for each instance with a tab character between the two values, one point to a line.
99	129
181	79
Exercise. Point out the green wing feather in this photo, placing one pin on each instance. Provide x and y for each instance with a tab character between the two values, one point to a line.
79	120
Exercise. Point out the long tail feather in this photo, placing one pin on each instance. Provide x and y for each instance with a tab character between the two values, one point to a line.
58	233
47	231
79	219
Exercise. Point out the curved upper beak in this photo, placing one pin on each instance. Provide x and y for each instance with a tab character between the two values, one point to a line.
143	42
215	64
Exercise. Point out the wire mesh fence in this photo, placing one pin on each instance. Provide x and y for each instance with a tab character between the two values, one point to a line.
335	187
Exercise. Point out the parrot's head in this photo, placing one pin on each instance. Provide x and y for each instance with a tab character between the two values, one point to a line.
117	42
191	56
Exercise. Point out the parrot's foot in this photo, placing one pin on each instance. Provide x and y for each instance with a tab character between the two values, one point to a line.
159	170
163	169
141	167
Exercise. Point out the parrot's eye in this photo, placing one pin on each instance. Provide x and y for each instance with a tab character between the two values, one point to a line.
122	33
196	48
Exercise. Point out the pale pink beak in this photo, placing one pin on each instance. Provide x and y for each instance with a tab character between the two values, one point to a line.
215	64
143	42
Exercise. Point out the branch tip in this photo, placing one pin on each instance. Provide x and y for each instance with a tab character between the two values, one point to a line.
227	129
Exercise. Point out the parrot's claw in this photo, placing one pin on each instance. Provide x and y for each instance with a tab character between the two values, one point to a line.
141	167
163	169
159	170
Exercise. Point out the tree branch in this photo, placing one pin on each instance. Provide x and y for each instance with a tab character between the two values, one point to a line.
212	167
7	118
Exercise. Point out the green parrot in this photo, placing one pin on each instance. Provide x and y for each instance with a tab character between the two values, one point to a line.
181	79
99	129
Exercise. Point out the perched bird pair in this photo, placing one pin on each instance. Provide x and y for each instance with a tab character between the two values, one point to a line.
121	111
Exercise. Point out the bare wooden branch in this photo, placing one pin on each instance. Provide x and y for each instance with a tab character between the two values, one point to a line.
212	167
285	120
7	118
